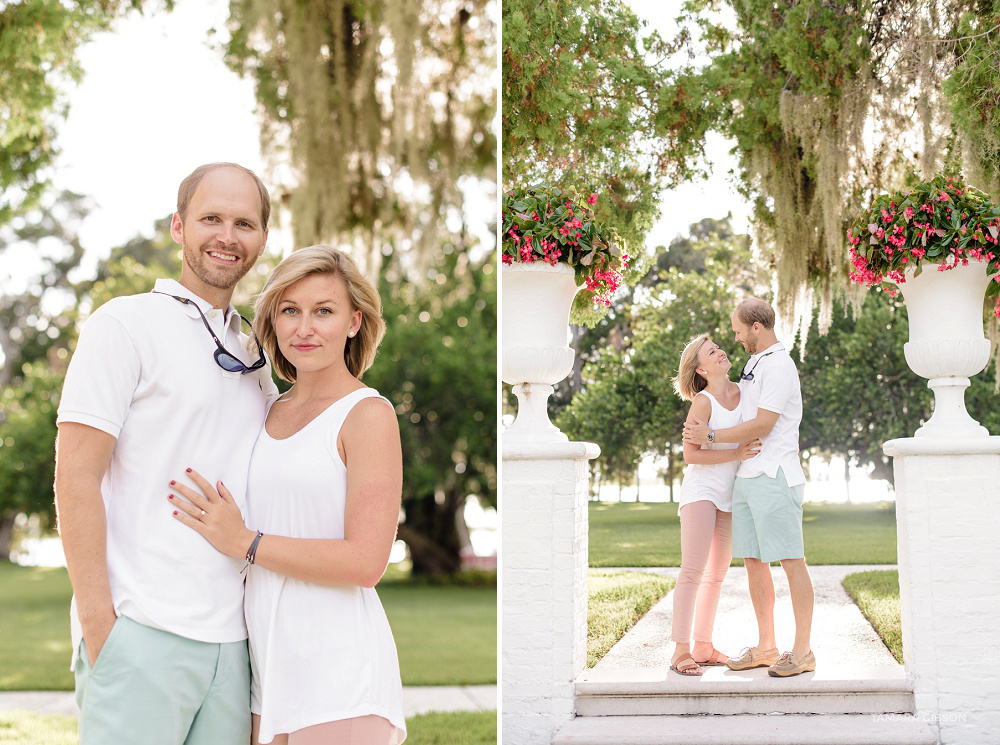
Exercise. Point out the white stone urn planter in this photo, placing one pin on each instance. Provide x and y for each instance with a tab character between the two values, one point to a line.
947	344
536	301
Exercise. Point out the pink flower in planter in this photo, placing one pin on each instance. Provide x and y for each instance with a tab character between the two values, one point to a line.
592	199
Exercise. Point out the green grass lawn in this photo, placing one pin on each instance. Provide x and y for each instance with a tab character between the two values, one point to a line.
615	603
639	534
29	728
444	635
34	629
877	595
450	728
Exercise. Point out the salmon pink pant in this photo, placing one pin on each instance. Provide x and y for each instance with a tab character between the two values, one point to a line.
706	550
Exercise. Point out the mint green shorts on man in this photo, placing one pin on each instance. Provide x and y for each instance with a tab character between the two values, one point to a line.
767	518
151	687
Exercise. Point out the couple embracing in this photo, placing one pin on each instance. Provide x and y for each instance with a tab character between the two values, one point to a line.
741	496
181	474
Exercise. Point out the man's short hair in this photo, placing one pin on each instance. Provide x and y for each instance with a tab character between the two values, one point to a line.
190	185
754	310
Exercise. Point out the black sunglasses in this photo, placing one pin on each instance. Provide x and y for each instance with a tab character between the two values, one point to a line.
749	375
224	358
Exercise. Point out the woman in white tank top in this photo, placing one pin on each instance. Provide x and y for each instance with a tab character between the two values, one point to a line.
706	504
323	500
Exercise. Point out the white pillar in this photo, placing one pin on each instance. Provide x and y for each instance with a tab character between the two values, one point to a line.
948	517
544	571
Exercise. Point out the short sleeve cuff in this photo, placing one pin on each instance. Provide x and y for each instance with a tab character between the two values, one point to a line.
79	417
775	408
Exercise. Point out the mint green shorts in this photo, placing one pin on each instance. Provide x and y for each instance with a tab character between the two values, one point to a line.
767	518
151	687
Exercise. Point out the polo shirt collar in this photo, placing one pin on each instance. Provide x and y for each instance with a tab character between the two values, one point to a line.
173	287
777	346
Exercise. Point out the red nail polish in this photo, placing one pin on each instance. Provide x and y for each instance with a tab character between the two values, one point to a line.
170	496
189	470
172	483
175	513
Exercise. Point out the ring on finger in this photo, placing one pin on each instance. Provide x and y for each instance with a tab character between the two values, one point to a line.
203	513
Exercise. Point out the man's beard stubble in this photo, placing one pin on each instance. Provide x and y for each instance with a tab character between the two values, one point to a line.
220	277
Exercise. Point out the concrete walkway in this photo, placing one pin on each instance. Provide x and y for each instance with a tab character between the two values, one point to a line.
416	700
841	637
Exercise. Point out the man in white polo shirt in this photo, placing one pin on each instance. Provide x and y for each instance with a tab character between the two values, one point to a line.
767	495
160	383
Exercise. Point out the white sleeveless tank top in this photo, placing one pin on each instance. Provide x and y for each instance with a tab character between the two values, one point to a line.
715	482
317	653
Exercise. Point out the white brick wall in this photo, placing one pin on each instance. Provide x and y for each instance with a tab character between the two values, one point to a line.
544	576
948	516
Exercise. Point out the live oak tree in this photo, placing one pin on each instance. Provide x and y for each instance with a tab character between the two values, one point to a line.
380	109
826	103
587	105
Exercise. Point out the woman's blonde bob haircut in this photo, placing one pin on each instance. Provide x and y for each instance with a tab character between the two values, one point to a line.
359	353
688	381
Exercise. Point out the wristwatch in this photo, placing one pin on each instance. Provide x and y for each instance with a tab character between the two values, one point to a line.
711	436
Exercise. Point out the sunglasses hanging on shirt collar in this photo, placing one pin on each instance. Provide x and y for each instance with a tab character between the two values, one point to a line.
749	375
223	357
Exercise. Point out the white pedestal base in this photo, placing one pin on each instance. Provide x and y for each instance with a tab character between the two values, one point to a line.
950	417
948	517
532	424
544	570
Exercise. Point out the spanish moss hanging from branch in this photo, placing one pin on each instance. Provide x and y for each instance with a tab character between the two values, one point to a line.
373	112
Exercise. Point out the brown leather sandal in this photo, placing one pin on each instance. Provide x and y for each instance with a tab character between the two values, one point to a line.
693	669
716	659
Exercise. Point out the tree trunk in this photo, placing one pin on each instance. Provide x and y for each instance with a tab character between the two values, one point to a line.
847	478
427	556
882	469
6	531
431	535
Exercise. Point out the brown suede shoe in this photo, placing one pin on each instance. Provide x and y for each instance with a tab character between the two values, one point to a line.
752	657
791	664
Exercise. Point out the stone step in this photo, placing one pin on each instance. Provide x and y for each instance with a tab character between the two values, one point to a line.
848	689
749	729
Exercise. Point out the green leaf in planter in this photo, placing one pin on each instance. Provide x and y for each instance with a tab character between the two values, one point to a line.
934	251
588	259
520	206
918	271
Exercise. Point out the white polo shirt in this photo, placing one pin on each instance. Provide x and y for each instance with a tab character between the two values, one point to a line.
775	387
143	372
